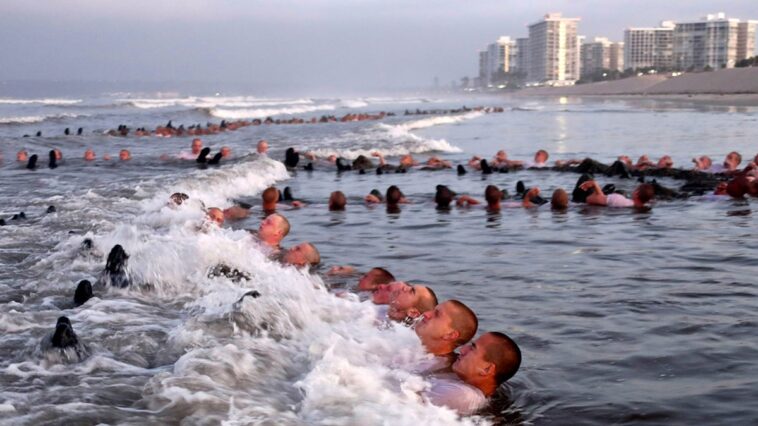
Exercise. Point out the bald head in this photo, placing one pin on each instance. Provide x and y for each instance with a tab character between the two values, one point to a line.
337	201
560	199
502	351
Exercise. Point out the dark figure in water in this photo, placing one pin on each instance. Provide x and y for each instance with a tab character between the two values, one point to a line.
291	158
83	293
461	170
50	209
80	131
216	159
443	197
64	336
343	165
67	131
53	163
486	169
393	197
580	195
362	163
202	158
115	267
39	134
19	216
32	164
287	194
2	222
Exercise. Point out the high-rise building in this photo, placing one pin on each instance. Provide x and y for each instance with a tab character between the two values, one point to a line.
483	67
746	39
496	59
521	63
649	47
601	54
710	42
617	56
554	50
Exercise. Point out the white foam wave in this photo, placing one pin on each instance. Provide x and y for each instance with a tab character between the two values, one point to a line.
237	114
37	118
45	101
439	120
353	103
211	102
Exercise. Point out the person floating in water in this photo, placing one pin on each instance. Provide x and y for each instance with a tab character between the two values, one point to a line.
643	194
480	368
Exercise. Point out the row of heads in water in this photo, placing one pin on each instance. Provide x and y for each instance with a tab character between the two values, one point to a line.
445	329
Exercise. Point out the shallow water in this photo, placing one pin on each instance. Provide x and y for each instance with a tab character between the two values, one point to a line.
622	317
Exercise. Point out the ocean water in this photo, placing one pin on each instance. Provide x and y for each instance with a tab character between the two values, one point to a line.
621	317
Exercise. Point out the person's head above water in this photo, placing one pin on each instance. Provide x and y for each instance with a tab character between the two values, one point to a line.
337	201
177	198
493	195
443	197
371	279
124	155
226	152
643	194
215	215
303	254
488	362
665	162
560	199
447	326
732	160
22	156
273	229
410	301
196	146
541	156
262	146
89	155
270	197
393	195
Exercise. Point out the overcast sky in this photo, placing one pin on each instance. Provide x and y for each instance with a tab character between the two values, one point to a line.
328	44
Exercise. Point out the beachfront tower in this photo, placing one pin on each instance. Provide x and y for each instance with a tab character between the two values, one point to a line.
601	54
708	43
649	47
554	50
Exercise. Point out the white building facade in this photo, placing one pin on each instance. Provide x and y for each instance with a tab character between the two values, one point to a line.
554	56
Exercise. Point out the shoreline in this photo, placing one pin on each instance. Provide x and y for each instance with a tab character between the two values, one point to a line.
735	86
729	99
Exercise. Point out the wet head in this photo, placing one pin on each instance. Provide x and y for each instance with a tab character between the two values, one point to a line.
303	254
446	327
273	229
488	362
373	278
337	201
197	146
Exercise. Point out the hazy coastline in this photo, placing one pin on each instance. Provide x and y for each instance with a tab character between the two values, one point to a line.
738	86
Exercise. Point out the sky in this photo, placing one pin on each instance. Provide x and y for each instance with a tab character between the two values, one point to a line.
320	46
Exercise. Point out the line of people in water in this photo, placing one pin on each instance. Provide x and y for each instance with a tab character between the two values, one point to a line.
704	177
197	129
464	372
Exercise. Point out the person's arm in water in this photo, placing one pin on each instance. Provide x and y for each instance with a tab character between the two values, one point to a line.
465	201
379	155
597	198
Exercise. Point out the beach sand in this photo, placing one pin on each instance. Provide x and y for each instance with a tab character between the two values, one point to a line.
737	86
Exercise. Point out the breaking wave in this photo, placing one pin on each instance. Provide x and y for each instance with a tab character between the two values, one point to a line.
238	114
45	101
37	118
